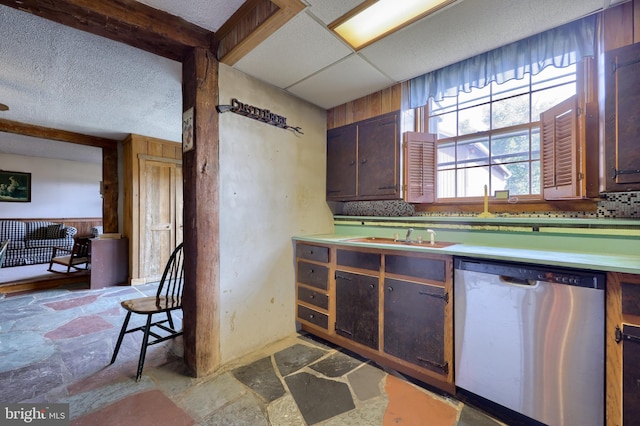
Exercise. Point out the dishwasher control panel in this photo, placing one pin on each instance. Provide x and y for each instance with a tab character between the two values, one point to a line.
576	277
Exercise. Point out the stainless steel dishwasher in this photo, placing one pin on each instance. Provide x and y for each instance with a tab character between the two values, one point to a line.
531	339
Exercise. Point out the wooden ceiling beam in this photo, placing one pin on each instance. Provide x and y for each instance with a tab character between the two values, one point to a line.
251	25
125	21
18	128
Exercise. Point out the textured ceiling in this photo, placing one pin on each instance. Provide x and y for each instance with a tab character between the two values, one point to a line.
62	78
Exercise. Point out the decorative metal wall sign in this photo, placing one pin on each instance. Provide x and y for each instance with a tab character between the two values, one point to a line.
263	115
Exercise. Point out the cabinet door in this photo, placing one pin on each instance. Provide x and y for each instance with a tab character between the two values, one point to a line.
631	376
622	109
378	157
341	162
414	323
357	308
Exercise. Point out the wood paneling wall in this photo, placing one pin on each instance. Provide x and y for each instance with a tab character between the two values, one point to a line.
82	224
373	105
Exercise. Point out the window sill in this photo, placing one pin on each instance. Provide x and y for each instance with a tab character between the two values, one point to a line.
503	206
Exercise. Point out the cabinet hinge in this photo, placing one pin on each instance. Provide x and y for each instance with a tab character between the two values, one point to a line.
444	367
620	336
444	297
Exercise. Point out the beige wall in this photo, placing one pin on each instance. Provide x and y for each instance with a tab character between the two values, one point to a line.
59	188
272	187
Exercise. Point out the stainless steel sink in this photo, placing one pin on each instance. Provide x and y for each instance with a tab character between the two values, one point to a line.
392	241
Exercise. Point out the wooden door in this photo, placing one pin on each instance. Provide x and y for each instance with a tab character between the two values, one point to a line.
357	308
622	109
414	323
631	375
379	158
160	215
341	163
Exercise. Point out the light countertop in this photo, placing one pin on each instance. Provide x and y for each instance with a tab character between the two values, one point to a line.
629	263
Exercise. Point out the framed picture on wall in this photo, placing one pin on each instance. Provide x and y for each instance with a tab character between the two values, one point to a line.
15	186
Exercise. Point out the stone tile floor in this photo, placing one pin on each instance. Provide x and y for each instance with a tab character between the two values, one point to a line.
55	347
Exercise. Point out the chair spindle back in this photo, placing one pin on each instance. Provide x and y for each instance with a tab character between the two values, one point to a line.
172	281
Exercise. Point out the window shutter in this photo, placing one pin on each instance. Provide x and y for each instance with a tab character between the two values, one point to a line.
560	161
419	167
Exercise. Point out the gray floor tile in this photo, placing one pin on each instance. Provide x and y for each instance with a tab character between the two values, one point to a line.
365	381
297	356
319	399
260	377
336	365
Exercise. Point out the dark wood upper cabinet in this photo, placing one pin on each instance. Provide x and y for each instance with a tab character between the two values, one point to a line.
341	162
622	118
363	160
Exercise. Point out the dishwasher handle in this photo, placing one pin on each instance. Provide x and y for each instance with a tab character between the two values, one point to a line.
519	282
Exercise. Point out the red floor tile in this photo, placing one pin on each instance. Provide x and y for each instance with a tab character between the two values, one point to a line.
71	303
79	327
410	406
143	409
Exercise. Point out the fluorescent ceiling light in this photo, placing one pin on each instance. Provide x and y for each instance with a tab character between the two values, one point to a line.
376	19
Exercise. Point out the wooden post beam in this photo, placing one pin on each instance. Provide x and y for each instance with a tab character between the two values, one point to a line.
201	218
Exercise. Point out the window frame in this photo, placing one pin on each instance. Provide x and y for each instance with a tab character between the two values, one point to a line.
586	91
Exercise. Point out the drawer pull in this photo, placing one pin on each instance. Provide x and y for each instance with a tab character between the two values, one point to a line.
389	289
313	296
342	277
311	316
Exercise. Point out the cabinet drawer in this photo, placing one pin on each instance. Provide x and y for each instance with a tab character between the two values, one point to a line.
314	317
430	269
630	299
357	259
320	300
313	275
317	253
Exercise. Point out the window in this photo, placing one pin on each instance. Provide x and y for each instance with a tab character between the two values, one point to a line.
491	136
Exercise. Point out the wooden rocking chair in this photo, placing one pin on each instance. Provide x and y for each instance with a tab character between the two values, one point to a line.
79	257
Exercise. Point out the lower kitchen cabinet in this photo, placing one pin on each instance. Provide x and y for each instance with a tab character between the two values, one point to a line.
392	306
414	316
357	308
312	285
623	349
631	374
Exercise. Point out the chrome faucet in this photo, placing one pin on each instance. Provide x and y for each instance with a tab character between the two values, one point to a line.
432	236
408	237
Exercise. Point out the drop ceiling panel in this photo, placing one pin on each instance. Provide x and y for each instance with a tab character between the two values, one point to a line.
431	43
342	82
330	10
293	52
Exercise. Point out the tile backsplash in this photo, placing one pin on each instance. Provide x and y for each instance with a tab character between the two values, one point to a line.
621	205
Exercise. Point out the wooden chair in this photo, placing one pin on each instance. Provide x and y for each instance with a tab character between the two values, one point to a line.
3	251
168	298
79	257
